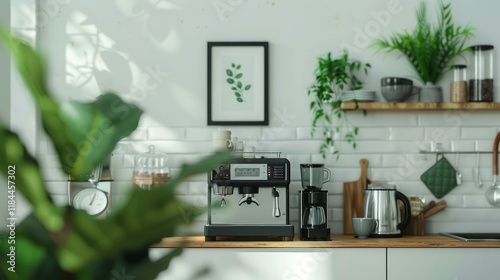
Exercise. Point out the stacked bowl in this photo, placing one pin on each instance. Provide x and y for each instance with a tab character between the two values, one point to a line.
396	89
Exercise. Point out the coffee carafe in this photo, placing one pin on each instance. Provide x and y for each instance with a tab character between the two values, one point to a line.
381	204
314	202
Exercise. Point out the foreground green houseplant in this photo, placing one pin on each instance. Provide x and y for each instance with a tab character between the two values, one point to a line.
332	76
64	243
429	49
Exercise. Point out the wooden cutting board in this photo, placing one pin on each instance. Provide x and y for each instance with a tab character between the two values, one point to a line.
354	200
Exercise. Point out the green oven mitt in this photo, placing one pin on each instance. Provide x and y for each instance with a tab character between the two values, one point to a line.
440	178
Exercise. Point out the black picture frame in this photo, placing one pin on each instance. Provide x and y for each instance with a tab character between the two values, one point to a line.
238	83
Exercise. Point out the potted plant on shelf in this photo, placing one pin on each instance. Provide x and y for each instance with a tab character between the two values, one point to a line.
429	49
332	76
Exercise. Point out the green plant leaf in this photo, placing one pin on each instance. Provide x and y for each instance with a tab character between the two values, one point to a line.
143	219
239	84
234	88
238	67
429	48
239	75
230	81
229	72
239	99
97	127
27	179
232	65
29	259
237	94
247	87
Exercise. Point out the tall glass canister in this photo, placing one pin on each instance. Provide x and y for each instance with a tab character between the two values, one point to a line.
481	81
458	88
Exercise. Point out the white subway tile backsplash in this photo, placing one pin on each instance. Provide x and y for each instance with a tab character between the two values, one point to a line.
463	145
246	133
442	134
407	133
382	119
165	133
200	133
390	141
348	160
57	188
305	133
140	134
475	133
470	214
484	145
198	188
477	201
448	118
373	133
279	133
53	174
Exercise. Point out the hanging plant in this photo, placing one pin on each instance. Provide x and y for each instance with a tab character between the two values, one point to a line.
332	76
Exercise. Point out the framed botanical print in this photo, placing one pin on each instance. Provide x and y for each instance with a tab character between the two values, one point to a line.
238	83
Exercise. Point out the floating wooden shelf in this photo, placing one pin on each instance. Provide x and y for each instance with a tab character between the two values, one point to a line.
400	106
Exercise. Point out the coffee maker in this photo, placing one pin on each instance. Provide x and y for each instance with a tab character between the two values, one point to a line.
314	203
261	207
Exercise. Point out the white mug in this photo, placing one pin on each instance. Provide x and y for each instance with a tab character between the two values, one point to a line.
221	140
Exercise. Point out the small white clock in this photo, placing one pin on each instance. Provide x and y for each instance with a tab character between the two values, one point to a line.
94	201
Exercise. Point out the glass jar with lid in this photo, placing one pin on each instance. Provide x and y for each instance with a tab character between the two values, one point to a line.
481	82
150	169
459	85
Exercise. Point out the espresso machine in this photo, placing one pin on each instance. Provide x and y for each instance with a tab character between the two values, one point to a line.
92	192
314	203
248	198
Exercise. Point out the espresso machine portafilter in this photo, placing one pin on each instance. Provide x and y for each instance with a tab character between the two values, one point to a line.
260	207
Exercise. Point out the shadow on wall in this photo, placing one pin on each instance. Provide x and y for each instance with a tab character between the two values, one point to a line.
116	48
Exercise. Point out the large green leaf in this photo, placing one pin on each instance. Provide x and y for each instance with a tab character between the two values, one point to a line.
82	134
25	177
96	128
145	218
28	259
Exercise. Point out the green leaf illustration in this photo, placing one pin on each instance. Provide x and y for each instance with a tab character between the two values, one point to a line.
234	66
230	81
239	75
247	87
229	73
234	88
238	67
239	99
237	94
239	85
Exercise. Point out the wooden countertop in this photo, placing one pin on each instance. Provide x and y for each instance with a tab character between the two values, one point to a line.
338	241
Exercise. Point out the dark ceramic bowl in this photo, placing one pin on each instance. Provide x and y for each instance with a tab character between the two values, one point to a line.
389	81
396	89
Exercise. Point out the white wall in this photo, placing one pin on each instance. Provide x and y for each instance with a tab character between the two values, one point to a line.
120	45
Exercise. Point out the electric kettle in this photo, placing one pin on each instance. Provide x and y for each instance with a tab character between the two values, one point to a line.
381	204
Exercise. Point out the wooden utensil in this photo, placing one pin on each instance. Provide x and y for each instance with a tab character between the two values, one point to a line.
354	201
439	207
429	206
